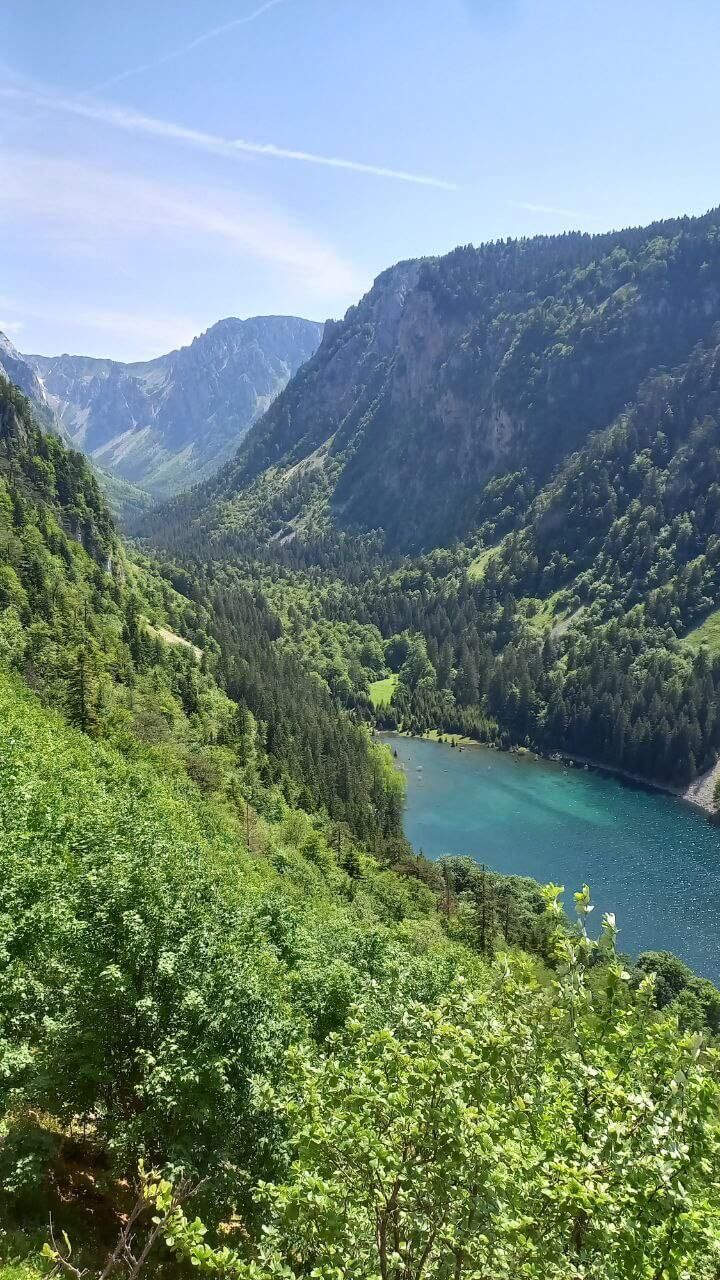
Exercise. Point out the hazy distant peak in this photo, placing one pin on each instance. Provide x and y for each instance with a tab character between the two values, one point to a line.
164	423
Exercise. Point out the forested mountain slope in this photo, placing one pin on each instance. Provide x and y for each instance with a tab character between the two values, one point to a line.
289	1038
455	371
555	402
583	619
126	500
127	657
581	629
165	423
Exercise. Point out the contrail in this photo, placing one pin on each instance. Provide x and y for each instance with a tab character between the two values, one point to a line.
183	49
546	208
135	122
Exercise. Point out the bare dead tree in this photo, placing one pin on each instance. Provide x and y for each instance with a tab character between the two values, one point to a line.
132	1248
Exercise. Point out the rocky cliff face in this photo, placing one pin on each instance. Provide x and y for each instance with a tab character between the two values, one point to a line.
455	372
164	424
19	371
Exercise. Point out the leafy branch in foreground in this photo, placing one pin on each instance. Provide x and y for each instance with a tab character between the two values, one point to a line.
524	1130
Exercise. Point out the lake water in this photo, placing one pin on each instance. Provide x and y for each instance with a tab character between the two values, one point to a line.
652	859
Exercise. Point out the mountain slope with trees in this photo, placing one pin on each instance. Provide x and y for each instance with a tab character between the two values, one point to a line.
456	371
128	653
555	403
334	1066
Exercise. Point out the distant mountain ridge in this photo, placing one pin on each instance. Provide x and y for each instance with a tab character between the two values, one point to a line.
166	423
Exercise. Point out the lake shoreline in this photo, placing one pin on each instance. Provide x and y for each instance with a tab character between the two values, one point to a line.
699	793
702	798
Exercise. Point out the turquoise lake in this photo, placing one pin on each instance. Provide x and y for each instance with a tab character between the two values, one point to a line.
652	859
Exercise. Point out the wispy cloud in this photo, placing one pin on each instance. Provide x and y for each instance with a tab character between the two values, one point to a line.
88	209
135	122
180	52
157	332
11	327
546	208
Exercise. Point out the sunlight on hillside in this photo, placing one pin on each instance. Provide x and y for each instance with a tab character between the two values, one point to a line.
707	633
381	691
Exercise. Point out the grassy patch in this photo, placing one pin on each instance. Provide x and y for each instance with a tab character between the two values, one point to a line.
477	567
171	637
546	612
433	735
381	691
707	633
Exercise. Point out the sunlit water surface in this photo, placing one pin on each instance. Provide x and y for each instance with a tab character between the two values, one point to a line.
652	859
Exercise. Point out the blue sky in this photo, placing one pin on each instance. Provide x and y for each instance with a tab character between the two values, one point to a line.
164	164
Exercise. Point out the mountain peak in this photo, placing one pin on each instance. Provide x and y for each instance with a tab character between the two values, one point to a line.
276	333
17	369
162	424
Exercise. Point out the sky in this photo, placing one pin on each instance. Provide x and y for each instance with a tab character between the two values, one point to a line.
165	164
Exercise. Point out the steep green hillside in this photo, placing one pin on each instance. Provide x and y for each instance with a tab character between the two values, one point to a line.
159	944
573	635
126	501
304	1031
95	633
242	1026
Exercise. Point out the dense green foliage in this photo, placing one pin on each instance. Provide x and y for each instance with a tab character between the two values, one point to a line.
157	953
513	1131
486	657
302	727
359	1061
